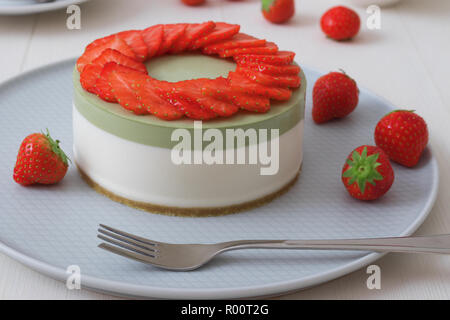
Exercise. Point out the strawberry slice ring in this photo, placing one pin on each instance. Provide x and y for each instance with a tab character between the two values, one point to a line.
112	65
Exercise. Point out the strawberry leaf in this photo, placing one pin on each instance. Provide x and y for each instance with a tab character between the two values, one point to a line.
363	169
266	4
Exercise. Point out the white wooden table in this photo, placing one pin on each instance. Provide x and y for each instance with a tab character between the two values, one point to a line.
406	61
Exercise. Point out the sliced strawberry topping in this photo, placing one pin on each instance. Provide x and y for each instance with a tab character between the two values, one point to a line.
98	42
268	80
240	40
172	32
93	52
124	91
193	32
222	31
102	85
220	89
148	92
273	70
191	90
242	84
112	67
153	37
134	39
89	76
279	58
184	104
188	107
112	55
268	48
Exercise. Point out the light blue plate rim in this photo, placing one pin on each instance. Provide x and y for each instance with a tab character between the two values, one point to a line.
272	289
36	7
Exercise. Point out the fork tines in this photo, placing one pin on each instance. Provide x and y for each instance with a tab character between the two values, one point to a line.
128	245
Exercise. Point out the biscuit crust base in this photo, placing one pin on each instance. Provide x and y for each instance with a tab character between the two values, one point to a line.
189	212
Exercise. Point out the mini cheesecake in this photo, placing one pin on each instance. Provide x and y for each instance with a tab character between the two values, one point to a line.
175	167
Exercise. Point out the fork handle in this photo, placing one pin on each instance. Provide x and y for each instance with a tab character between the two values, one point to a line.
426	244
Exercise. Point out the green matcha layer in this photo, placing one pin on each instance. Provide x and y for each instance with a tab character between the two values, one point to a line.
149	130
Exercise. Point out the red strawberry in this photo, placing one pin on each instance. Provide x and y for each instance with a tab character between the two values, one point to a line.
279	58
89	76
134	39
219	88
268	80
273	70
278	11
153	37
242	84
172	32
40	160
335	95
184	104
149	94
191	90
102	85
189	108
124	91
268	48
94	51
240	40
367	173
112	55
340	23
193	32
222	31
193	2
403	135
98	42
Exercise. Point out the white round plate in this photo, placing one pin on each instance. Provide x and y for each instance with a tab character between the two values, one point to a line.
22	7
49	228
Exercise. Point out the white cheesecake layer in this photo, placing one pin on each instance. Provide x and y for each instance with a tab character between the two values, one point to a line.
147	174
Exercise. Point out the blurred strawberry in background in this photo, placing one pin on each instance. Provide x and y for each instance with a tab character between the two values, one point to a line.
193	2
340	23
278	11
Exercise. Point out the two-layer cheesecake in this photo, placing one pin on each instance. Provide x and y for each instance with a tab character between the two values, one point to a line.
188	119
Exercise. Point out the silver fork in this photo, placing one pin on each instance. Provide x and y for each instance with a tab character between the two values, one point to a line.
184	257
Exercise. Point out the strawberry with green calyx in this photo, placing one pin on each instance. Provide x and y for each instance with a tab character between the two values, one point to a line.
40	161
335	95
403	135
367	173
278	11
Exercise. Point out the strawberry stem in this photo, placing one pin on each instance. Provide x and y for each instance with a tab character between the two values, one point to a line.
363	169
54	144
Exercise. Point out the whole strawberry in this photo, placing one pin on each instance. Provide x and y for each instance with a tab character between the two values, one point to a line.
367	173
403	135
278	11
40	160
335	95
340	23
